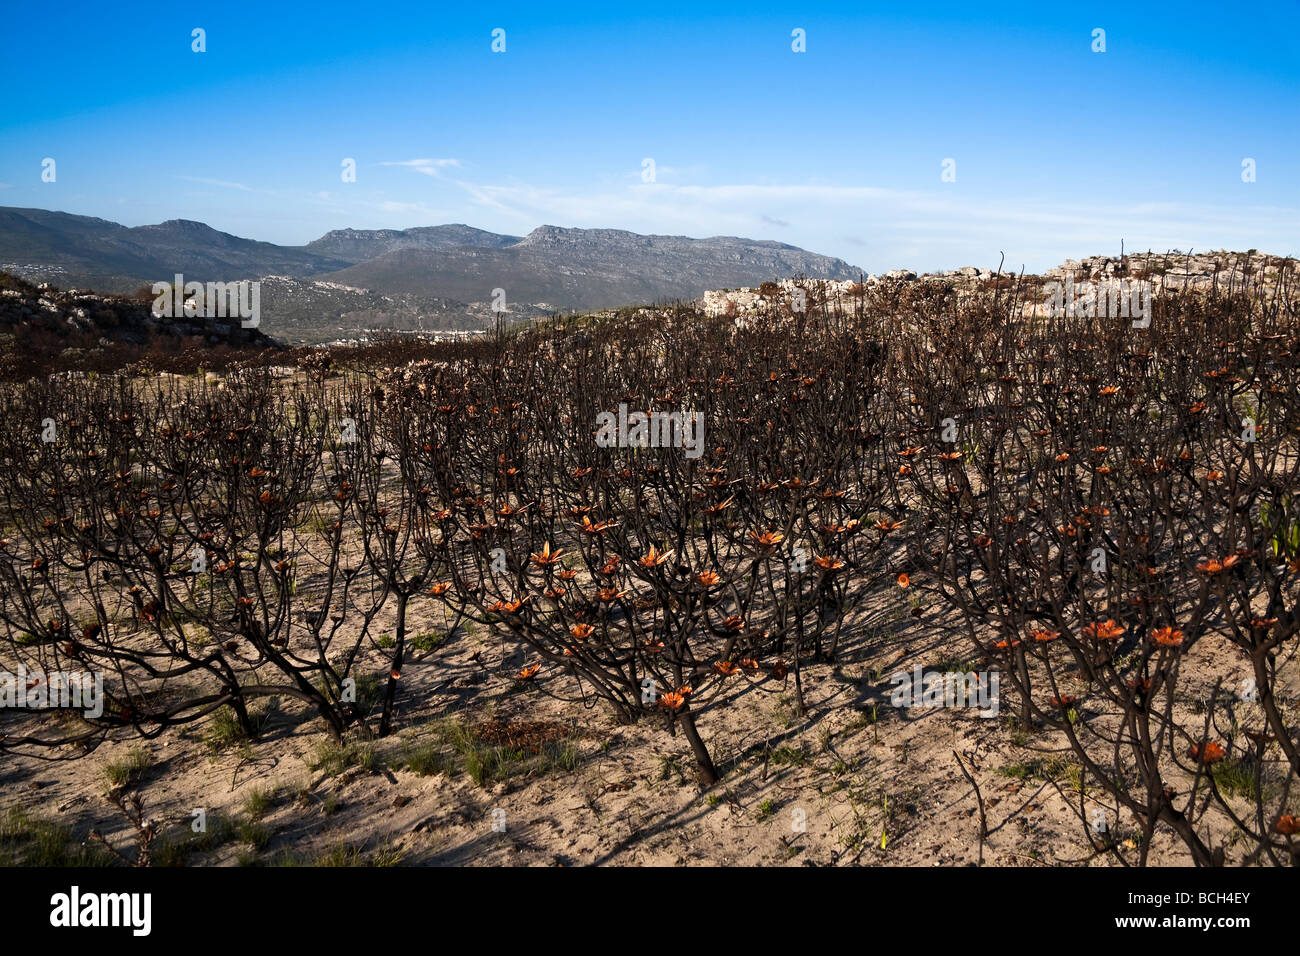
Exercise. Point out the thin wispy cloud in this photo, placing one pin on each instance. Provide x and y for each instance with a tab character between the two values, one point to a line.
224	184
427	167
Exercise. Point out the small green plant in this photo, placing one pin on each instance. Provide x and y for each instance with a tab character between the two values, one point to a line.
332	758
428	641
766	808
789	757
254	833
29	841
258	801
424	760
225	732
128	769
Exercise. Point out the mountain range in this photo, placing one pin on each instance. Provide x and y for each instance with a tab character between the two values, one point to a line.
433	277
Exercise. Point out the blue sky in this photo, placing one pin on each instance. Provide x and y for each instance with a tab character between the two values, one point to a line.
1059	151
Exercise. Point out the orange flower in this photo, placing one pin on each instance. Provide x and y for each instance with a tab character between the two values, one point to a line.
903	580
708	578
733	623
581	631
1287	824
905	469
1167	636
749	664
885	525
1106	630
768	539
528	673
1064	701
778	670
654	558
983	541
828	563
609	595
726	668
1215	566
672	700
442	587
1043	636
1207	753
547	557
1005	644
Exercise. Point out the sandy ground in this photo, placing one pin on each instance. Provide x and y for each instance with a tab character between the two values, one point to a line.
855	781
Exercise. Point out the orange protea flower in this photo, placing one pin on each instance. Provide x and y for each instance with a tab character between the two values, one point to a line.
1110	390
1063	456
983	541
904	469
749	664
581	631
1213	475
609	595
951	455
1005	644
672	700
547	557
733	623
909	452
442	587
1196	408
508	607
903	580
395	674
1287	824
653	647
1167	636
529	672
1216	566
599	527
266	497
1263	624
654	558
768	539
568	574
1106	630
708	578
1043	636
726	668
1207	753
1064	701
885	525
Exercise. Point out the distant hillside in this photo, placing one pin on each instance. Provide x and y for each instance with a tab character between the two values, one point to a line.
84	252
429	277
569	269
